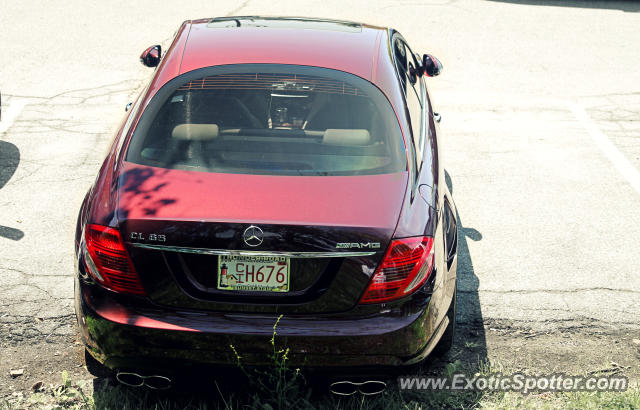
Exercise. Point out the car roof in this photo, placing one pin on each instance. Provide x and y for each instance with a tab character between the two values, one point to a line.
341	45
359	49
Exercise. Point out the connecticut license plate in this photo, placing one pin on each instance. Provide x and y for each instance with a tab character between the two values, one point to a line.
253	273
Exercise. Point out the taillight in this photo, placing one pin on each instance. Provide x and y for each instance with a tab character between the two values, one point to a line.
107	260
404	268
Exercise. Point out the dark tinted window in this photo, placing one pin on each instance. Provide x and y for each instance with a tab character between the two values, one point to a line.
270	119
405	63
415	113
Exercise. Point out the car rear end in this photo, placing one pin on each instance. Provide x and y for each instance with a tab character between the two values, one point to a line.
249	194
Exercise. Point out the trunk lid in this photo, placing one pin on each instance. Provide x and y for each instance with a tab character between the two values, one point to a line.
335	229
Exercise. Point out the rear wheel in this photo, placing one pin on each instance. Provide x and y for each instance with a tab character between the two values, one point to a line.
448	337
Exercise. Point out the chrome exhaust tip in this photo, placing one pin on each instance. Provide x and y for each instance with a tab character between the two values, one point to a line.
157	382
154	382
130	379
349	388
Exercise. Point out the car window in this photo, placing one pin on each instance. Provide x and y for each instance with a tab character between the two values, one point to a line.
400	57
415	113
270	119
405	61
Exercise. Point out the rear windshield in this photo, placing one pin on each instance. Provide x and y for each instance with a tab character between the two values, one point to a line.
269	120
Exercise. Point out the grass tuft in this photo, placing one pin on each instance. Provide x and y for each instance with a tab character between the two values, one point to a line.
280	386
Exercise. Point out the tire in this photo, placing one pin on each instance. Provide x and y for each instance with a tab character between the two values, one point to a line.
448	337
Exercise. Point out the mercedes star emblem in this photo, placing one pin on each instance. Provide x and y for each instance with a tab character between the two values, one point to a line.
253	236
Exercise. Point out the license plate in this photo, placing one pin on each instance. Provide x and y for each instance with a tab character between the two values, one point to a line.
253	273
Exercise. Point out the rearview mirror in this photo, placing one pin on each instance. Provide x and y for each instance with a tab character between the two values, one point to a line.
151	56
431	66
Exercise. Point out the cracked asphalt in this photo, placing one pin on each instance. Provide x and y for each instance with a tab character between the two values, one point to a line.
550	237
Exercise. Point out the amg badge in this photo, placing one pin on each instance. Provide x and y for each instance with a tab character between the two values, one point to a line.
360	245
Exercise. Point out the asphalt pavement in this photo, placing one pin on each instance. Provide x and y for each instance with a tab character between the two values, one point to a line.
540	103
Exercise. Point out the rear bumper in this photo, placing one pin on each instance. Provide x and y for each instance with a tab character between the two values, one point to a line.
146	336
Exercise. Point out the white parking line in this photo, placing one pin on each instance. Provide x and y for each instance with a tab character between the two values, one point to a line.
619	161
601	140
10	113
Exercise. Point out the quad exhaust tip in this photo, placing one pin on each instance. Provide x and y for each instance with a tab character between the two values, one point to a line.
349	387
340	388
155	382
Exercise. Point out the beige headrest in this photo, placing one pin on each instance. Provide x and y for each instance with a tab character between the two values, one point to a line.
346	137
195	132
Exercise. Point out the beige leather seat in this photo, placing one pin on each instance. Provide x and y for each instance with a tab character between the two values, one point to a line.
344	137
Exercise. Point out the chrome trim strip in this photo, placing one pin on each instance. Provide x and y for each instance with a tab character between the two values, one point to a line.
204	251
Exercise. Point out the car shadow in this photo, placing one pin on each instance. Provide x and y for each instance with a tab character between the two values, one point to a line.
471	343
9	160
624	5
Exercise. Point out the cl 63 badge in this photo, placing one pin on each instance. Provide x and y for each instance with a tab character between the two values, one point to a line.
140	236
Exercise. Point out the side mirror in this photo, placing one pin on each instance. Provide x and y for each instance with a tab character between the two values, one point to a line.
151	56
431	66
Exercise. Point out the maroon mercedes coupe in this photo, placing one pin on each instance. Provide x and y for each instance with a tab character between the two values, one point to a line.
273	167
